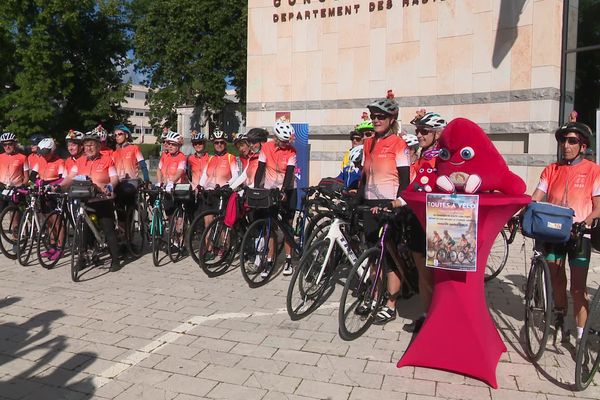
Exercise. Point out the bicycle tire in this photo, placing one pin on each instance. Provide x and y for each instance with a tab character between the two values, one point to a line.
254	252
78	249
157	229
363	289
303	279
134	233
8	229
318	227
176	242
588	353
54	222
224	242
497	258
27	236
192	236
538	303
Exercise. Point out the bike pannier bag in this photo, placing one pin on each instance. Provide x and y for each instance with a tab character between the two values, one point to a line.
82	190
183	191
259	198
548	222
332	184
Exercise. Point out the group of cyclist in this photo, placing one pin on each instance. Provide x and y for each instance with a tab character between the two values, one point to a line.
381	163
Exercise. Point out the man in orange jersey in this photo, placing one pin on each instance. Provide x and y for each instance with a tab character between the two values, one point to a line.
34	156
14	169
74	140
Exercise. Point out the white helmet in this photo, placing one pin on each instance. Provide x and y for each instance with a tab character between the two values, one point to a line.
101	132
174	137
46	146
74	135
356	154
284	131
198	137
239	137
411	140
8	137
218	134
430	120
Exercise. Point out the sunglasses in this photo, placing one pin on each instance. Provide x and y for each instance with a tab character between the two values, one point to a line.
120	134
379	117
422	131
356	139
198	143
220	143
570	140
368	134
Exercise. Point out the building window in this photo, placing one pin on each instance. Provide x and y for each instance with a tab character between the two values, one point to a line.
138	130
148	131
146	96
130	95
139	114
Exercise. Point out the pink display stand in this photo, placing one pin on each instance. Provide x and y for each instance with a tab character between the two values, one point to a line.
459	334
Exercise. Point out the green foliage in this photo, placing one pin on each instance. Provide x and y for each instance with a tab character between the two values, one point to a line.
150	150
62	64
187	48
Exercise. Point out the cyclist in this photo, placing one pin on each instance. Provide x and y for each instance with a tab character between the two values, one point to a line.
572	182
256	138
356	139
102	133
386	172
172	165
350	175
100	168
413	147
365	128
74	141
197	162
14	168
34	156
276	166
428	127
447	241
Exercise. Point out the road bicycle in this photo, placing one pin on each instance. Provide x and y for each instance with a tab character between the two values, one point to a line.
56	231
10	217
499	252
30	224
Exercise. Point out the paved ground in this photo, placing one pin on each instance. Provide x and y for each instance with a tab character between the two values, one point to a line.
173	333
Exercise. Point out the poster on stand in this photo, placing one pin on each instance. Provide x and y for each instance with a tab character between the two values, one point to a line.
452	231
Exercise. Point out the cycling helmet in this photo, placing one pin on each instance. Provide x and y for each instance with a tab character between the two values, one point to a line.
218	134
364	126
92	135
46	146
35	139
101	132
256	135
581	129
284	131
240	137
8	137
174	137
124	128
411	140
356	154
74	136
430	120
198	137
354	134
388	106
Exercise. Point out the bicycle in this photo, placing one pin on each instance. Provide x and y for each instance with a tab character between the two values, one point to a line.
499	252
29	225
366	283
179	221
10	217
256	249
135	215
54	234
320	260
587	359
158	223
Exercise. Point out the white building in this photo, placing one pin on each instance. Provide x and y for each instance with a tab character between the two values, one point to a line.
139	113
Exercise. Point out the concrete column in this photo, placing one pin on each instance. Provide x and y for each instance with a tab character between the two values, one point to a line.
184	115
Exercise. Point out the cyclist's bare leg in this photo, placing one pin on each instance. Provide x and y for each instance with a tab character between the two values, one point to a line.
207	220
558	278
579	294
393	286
425	280
272	247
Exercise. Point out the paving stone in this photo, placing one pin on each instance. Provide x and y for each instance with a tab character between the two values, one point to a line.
253	350
357	379
213	344
297	356
406	385
359	393
374	367
141	391
459	391
341	363
139	375
322	390
187	384
326	348
177	351
112	389
308	372
274	382
229	391
262	364
284	396
218	358
225	374
180	366
244	337
143	332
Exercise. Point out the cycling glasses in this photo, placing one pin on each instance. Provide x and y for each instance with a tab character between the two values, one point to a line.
379	117
369	134
422	131
220	142
570	139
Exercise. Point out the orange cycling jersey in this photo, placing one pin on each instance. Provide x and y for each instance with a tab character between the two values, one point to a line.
70	163
251	167
33	159
572	186
13	169
380	162
49	170
276	162
219	171
107	152
126	160
197	164
170	165
100	169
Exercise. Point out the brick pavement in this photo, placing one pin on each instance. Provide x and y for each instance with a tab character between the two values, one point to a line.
173	333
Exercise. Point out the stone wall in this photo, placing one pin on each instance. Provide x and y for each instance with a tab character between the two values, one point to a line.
496	62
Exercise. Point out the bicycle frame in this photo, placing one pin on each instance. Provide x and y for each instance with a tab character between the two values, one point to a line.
157	209
81	212
35	220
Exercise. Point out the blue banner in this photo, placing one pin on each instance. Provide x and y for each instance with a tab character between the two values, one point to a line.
302	156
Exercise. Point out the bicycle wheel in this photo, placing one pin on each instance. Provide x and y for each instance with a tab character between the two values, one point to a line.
156	230
453	256
27	235
588	352
52	238
317	227
193	244
219	241
9	231
538	309
178	225
306	289
78	249
135	231
255	251
363	287
497	258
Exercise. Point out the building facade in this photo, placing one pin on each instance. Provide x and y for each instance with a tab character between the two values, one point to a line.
139	113
497	62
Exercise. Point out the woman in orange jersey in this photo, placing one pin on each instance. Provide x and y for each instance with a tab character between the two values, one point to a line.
196	164
74	140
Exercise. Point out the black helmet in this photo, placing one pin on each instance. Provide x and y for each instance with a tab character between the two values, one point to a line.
354	134
584	131
256	135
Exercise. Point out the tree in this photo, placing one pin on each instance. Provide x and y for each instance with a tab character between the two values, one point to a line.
66	61
187	49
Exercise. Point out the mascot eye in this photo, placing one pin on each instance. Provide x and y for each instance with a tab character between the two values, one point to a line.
429	170
421	170
444	154
467	153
